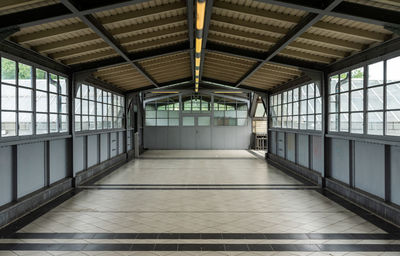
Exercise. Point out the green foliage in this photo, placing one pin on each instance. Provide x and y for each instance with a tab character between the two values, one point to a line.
25	71
358	73
8	70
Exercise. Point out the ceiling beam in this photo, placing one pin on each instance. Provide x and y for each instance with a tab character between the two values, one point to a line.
135	57
190	23
59	11
304	24
346	10
207	21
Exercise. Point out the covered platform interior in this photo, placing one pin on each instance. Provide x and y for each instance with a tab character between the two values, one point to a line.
200	127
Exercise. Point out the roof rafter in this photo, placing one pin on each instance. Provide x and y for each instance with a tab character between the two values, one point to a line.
207	21
98	28
346	10
294	33
190	23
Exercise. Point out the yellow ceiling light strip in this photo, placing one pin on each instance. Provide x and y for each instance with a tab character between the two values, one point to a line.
200	13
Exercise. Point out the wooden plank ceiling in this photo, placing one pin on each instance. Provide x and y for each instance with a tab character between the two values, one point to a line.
248	28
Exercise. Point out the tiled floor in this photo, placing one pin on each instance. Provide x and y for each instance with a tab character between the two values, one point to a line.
200	203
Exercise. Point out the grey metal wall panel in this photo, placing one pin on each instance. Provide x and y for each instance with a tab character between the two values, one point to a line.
6	175
395	174
317	159
203	138
150	139
281	144
217	138
272	144
121	146
340	162
129	140
302	150
93	150
370	168
104	147
58	160
162	138
188	138
31	168
291	147
174	138
79	154
113	148
229	137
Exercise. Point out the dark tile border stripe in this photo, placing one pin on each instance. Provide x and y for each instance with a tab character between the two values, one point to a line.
201	185
202	236
199	188
198	158
201	247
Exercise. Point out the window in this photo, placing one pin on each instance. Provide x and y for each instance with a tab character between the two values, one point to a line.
301	108
163	112
229	112
372	107
97	109
27	105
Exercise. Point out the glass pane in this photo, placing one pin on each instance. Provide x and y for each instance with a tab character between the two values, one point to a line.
8	71
8	97
41	80
344	102
303	92
375	123
357	100
357	122
150	122
162	122
99	122
344	122
188	121
41	124
375	74
284	109
99	95
85	107
279	97
295	122
63	85
241	122
85	123
284	97
290	109
357	78
303	107
333	84
77	123
92	108
24	99
91	92
375	98
310	122
296	94
344	82
393	95
241	114
288	122
92	123
84	89
290	96
53	98
8	125
53	123
173	122
284	122
24	75
333	122
63	104
53	83
311	91
317	90
310	106
162	114
318	106
318	122
25	124
392	70
393	123
303	122
203	121
295	108
99	109
334	103
41	101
